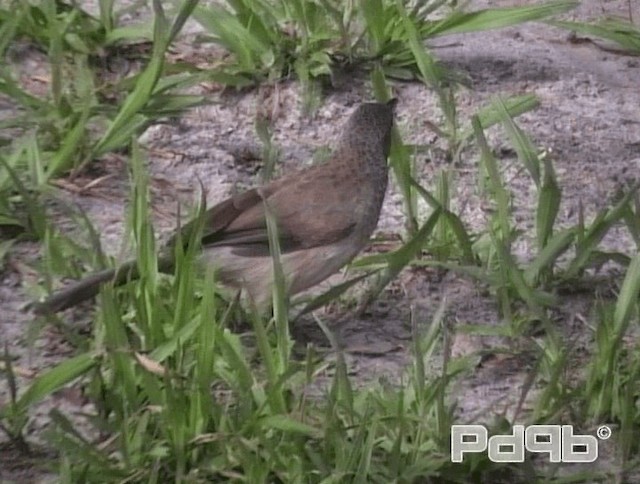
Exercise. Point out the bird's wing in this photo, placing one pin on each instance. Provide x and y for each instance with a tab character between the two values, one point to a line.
307	209
218	217
239	221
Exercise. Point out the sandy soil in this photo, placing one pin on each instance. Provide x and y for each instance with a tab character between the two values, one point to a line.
588	120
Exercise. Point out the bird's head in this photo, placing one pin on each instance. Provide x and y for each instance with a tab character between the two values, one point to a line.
370	124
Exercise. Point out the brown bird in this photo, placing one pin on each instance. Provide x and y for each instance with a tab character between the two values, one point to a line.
325	215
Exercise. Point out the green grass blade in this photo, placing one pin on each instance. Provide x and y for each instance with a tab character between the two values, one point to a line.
625	34
520	141
546	258
425	62
55	378
500	195
627	301
280	302
497	18
143	90
400	258
514	105
588	243
67	154
548	205
454	222
332	294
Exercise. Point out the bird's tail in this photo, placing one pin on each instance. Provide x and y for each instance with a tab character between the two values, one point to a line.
86	288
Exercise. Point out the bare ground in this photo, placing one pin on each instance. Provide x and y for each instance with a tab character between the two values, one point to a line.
589	122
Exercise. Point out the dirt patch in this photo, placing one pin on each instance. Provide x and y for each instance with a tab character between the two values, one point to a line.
588	120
